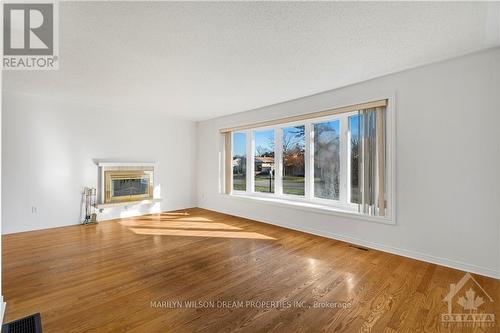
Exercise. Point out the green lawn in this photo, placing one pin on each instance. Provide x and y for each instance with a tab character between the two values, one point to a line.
291	185
239	187
264	189
294	191
262	177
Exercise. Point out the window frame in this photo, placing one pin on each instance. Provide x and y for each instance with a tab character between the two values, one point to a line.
348	162
252	153
232	157
284	195
343	206
313	198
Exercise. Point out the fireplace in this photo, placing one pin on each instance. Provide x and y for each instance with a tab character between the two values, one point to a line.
127	185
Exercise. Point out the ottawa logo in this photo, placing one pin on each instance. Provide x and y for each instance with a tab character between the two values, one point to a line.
466	300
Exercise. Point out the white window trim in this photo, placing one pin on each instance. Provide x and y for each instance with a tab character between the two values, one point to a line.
233	191
341	207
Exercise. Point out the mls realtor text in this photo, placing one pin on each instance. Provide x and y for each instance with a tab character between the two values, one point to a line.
29	62
256	304
30	35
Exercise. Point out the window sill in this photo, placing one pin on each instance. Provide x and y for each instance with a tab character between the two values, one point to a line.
311	207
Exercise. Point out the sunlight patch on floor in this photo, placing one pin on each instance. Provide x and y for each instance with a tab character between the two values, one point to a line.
200	233
175	214
194	219
178	225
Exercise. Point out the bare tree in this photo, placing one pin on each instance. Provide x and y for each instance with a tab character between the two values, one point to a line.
264	151
293	151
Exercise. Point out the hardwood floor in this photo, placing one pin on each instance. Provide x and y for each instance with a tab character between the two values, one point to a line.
126	275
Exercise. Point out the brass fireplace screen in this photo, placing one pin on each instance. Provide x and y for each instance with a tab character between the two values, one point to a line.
127	185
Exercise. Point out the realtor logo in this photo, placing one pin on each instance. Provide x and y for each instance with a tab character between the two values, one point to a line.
30	36
465	300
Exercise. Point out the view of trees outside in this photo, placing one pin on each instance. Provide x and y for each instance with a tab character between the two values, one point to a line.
354	149
239	161
293	160
264	161
327	160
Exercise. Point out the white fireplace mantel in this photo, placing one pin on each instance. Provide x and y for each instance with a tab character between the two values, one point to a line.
125	164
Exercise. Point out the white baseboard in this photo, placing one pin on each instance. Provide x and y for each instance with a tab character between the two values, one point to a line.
385	248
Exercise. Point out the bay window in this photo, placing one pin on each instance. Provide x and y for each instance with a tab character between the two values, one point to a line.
327	159
239	161
263	156
336	158
293	161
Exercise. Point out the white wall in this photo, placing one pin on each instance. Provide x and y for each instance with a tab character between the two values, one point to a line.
2	303
49	148
447	156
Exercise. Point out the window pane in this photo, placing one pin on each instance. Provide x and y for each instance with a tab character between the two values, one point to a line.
239	161
354	158
264	161
327	159
293	160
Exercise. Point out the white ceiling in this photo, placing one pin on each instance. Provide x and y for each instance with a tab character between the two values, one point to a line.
207	59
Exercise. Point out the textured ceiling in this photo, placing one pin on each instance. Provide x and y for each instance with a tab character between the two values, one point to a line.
207	59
